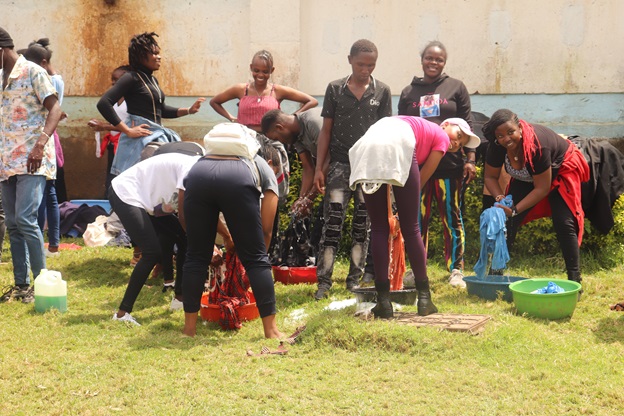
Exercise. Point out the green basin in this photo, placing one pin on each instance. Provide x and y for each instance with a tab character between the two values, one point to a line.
548	305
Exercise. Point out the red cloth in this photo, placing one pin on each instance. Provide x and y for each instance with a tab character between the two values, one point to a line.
251	108
230	293
572	173
109	138
396	267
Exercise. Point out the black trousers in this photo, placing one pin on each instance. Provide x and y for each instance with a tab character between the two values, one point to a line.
226	186
138	225
170	233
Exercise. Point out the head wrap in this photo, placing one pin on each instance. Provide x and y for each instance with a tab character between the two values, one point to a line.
5	39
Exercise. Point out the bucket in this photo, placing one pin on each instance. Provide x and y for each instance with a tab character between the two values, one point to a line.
50	291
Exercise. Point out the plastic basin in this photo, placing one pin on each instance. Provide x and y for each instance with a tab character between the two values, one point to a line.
490	286
548	305
212	313
402	297
294	275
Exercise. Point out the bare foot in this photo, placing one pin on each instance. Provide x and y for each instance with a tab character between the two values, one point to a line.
270	327
190	324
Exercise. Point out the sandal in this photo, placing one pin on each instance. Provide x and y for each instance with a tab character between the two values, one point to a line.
265	351
293	338
618	307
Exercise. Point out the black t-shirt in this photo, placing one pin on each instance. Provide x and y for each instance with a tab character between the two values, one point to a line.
141	101
352	117
445	98
553	150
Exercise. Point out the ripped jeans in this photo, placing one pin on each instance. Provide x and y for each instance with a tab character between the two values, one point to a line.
337	196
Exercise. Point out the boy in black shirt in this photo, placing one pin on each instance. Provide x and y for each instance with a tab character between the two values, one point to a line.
351	106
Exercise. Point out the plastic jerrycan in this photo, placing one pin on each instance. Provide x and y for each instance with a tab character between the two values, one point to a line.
50	291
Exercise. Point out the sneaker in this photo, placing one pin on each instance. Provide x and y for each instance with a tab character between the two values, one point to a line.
176	305
457	278
27	294
49	253
168	285
8	293
126	318
321	293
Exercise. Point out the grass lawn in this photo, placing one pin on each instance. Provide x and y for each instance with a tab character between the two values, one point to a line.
83	363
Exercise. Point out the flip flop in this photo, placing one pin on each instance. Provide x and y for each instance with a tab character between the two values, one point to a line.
293	338
265	351
618	307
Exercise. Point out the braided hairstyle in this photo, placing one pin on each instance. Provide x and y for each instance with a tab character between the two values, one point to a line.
38	50
265	56
499	117
140	47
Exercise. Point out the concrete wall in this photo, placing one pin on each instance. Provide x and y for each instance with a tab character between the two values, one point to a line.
556	62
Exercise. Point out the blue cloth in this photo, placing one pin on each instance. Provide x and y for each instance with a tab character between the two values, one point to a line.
129	150
493	238
551	288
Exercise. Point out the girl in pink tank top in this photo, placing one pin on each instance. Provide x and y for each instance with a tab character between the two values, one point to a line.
251	108
259	96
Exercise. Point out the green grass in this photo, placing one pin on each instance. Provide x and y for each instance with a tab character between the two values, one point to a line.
82	363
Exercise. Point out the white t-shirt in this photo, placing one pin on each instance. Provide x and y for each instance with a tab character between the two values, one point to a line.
121	110
153	184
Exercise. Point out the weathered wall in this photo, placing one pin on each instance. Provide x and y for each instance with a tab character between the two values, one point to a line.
556	62
495	46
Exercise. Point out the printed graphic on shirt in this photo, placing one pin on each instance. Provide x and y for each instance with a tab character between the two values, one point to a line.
430	105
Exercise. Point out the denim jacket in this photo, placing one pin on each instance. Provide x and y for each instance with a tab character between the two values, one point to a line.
129	150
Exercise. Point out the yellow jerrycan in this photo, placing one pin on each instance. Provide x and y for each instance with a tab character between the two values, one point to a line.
50	291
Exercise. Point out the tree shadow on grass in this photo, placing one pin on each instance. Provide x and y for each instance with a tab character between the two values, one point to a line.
97	272
611	329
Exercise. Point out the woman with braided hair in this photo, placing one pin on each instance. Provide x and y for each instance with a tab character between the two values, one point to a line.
145	101
546	174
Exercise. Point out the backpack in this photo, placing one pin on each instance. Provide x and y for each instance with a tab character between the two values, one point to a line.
233	139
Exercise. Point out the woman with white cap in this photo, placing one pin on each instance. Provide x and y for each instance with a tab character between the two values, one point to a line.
404	152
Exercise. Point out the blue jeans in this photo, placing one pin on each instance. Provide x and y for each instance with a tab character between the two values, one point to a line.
49	208
21	197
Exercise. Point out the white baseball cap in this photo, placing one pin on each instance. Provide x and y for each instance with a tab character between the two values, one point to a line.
474	140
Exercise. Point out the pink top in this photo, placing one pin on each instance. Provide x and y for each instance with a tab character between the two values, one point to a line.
252	108
429	136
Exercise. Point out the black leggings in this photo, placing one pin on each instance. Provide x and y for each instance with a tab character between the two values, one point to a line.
226	186
170	233
139	227
563	222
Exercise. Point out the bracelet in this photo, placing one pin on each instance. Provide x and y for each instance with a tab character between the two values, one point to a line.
472	162
514	212
188	111
45	134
